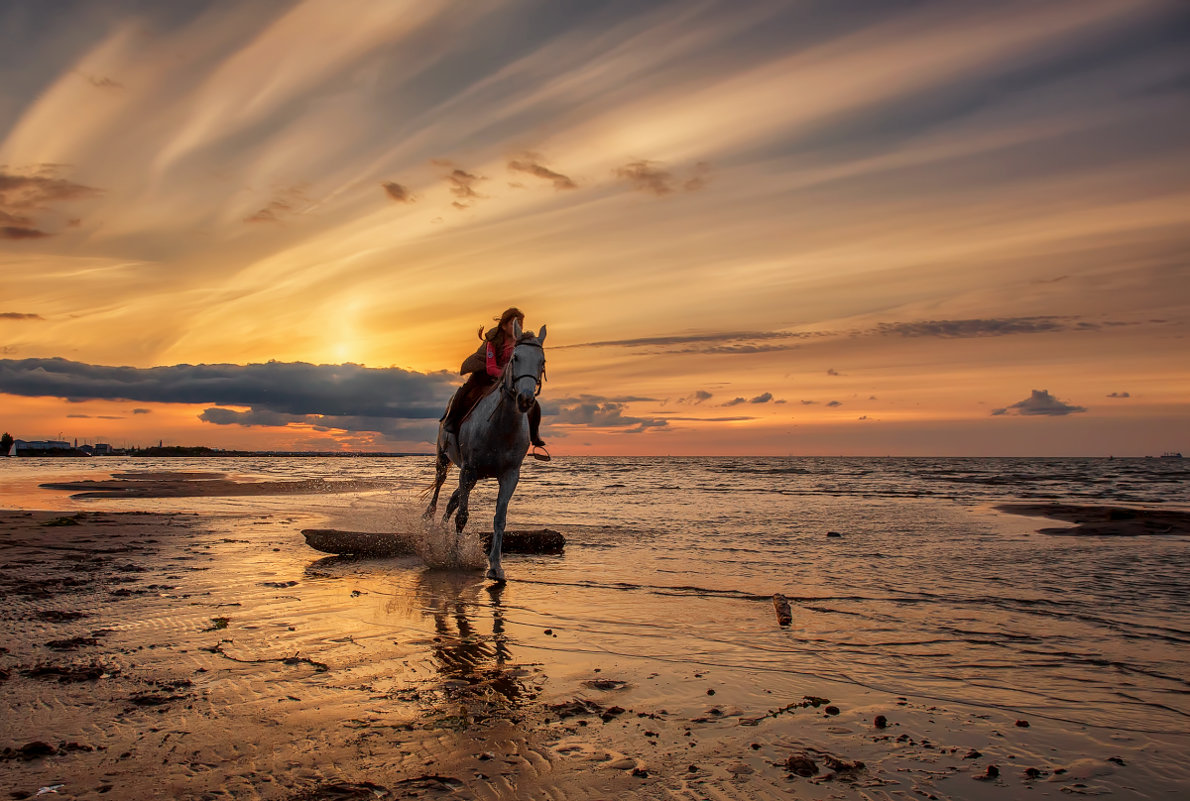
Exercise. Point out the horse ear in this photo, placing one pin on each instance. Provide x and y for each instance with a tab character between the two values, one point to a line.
541	334
516	329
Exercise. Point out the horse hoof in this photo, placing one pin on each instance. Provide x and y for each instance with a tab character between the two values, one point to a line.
496	574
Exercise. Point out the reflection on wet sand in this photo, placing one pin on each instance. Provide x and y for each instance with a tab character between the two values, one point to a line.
477	679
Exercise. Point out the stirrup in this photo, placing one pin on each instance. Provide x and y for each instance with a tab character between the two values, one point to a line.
541	457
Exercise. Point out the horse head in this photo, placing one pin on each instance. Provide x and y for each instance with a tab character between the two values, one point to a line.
526	369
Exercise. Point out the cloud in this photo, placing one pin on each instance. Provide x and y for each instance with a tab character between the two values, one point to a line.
700	178
606	414
762	398
1120	395
397	192
721	342
96	416
142	411
290	388
18	232
835	403
808	402
697	397
833	371
1040	402
102	81
645	176
461	184
709	419
652	177
962	329
734	402
413	430
15	219
286	203
39	187
20	316
530	164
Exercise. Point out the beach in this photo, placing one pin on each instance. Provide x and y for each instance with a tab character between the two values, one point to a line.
165	652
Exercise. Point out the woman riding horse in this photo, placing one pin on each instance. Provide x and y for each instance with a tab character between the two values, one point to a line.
483	369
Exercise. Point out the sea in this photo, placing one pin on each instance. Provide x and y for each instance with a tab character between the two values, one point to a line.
925	588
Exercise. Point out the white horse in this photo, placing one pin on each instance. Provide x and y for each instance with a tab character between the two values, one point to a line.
492	441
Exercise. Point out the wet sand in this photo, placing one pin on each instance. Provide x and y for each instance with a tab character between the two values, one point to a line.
1104	521
194	485
173	655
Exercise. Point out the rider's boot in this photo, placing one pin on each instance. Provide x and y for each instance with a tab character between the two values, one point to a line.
535	426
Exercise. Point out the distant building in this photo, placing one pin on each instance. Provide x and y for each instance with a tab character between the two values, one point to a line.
103	449
48	447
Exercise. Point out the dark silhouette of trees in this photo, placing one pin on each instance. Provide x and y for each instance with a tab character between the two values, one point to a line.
5	444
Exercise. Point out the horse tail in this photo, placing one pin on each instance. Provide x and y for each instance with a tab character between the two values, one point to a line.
425	493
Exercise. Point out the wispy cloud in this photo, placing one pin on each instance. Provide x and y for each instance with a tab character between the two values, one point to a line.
1120	395
530	163
955	329
20	316
656	179
31	192
286	203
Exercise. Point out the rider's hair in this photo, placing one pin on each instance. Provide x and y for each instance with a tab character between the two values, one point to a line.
496	334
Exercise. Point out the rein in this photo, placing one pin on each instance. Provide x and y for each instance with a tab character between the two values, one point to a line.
509	382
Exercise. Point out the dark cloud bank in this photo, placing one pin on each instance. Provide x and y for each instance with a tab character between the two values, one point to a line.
339	396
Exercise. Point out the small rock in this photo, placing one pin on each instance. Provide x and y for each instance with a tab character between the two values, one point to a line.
783	609
880	722
640	773
1024	724
973	754
990	774
833	534
801	764
548	632
710	692
692	768
831	710
1032	773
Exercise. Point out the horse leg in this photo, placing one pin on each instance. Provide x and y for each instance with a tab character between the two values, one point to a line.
508	482
467	479
441	466
451	505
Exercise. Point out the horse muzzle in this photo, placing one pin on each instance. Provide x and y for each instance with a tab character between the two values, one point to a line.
524	401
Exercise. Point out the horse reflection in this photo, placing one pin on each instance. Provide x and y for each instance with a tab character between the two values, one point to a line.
473	665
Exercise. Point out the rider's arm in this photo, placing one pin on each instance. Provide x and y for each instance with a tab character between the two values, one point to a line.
493	369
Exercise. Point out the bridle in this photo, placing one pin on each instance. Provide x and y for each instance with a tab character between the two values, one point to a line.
510	380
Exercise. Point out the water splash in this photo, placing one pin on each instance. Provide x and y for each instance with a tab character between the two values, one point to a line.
435	542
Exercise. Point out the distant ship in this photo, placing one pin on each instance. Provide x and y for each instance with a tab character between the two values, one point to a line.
1171	455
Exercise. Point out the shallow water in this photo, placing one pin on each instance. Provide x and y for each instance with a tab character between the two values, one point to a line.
928	592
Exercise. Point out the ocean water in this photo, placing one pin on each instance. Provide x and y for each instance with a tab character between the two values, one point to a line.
928	591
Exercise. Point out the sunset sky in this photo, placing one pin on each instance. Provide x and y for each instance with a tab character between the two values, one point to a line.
778	228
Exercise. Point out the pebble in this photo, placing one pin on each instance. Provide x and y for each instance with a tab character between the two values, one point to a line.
880	722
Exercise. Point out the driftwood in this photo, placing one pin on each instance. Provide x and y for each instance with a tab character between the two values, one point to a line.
784	612
371	543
